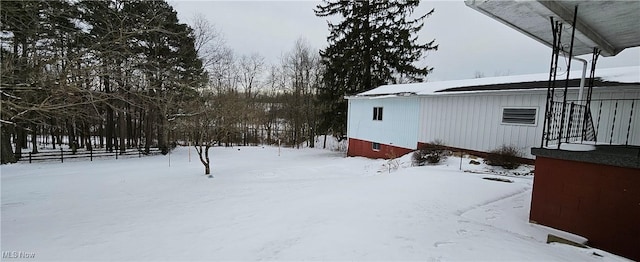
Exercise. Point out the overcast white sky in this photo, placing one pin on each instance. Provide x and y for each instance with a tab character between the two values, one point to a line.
468	41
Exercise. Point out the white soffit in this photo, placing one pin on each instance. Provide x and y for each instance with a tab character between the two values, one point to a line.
611	26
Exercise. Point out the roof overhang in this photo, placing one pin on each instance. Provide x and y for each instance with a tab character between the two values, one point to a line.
611	26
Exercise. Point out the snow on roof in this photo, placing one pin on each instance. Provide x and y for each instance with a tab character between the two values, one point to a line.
625	75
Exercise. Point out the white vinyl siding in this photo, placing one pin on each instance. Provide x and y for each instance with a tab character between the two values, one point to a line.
605	113
474	121
399	127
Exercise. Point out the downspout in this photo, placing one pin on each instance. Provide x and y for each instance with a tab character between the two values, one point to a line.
584	74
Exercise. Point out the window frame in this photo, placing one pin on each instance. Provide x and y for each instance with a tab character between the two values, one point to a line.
378	113
373	146
535	115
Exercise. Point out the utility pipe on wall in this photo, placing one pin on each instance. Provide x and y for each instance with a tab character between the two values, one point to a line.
584	75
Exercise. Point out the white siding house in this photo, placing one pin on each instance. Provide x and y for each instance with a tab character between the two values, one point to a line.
475	121
397	126
477	115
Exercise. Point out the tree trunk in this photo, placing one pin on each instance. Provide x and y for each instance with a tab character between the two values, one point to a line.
312	139
123	132
207	169
52	130
140	127
109	127
44	135
324	142
34	139
18	141
6	154
101	131
23	139
81	135
87	132
53	138
148	131
204	159
269	134
59	135
130	126
163	135
73	144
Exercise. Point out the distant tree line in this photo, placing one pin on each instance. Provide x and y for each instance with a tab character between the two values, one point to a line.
117	74
112	75
105	73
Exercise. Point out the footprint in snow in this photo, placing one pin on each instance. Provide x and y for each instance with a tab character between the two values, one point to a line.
440	243
269	175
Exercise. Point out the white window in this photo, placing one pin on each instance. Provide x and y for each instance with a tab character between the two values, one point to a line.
375	146
519	115
377	113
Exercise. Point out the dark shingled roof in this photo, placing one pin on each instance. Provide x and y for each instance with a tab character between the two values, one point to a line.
534	85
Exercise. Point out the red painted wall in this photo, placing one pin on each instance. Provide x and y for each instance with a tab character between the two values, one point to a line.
599	202
364	148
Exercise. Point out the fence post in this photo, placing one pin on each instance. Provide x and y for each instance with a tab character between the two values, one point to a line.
91	155
29	157
61	155
116	154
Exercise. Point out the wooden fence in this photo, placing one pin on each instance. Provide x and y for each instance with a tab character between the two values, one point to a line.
90	154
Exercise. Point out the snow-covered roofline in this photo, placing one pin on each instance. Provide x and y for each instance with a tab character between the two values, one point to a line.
608	76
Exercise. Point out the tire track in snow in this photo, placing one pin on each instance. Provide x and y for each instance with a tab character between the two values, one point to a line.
474	221
461	212
463	232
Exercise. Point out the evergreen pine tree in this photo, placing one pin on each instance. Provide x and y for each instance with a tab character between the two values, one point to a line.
374	44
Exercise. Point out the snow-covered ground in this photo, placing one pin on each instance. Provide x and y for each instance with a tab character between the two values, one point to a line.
307	204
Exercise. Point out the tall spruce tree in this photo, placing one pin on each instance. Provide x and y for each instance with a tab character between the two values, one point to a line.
374	44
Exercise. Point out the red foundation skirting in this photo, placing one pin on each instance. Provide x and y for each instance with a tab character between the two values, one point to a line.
364	148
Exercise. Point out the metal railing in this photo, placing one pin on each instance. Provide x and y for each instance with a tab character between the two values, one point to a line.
605	121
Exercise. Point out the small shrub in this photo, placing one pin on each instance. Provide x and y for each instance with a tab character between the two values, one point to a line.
392	161
431	153
507	157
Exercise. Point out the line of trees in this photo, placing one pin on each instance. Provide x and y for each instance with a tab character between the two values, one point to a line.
127	74
119	74
93	72
248	102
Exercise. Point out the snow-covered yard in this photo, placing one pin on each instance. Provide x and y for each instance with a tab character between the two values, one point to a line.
307	204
